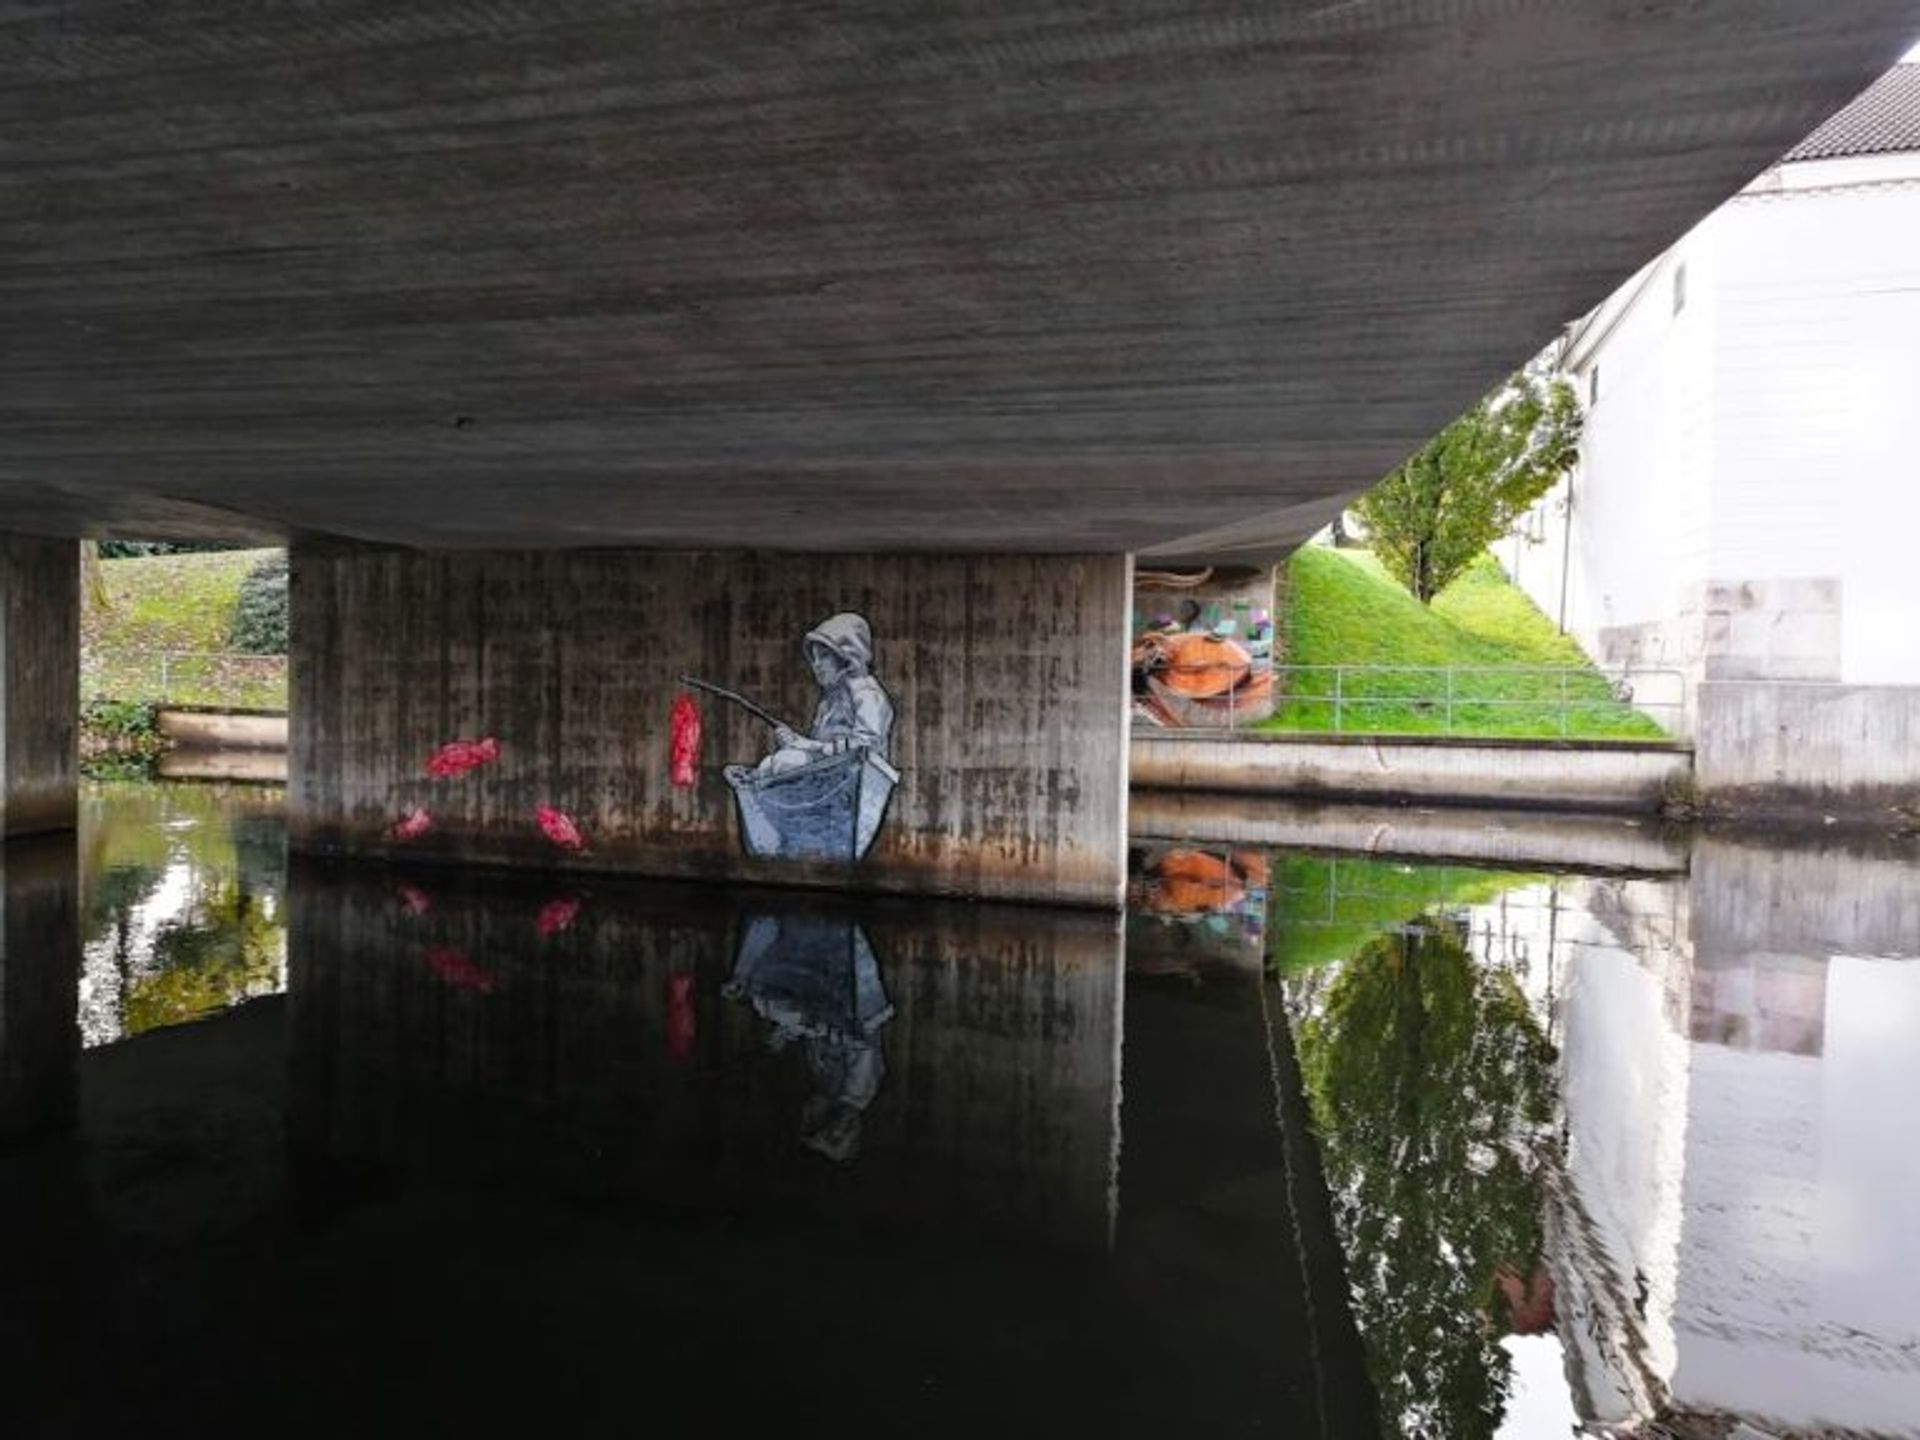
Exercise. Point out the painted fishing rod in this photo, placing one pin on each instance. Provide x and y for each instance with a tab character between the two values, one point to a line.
737	699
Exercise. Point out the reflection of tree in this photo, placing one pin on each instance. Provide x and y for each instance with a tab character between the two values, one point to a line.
218	954
1431	1086
180	888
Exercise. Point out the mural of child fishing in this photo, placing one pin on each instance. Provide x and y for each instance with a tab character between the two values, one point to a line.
820	794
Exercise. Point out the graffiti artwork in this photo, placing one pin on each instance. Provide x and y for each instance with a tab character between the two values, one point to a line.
1203	648
822	793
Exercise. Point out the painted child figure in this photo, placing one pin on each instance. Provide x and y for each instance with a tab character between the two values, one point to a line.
854	709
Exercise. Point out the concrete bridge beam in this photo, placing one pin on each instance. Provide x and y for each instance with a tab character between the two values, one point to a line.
993	687
39	683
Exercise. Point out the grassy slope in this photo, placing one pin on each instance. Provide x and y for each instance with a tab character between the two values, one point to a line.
1325	908
1342	609
176	603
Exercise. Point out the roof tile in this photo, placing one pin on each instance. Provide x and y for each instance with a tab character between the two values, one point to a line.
1884	117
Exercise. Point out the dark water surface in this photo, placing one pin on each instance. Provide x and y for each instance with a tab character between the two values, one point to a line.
1314	1145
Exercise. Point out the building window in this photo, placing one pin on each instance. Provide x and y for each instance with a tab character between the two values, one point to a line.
1679	287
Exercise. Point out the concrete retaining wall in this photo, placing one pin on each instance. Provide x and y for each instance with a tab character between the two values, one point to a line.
1571	775
1807	750
1523	839
223	729
1007	676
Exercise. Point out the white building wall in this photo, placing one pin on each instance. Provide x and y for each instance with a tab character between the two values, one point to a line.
1639	543
1817	434
1750	482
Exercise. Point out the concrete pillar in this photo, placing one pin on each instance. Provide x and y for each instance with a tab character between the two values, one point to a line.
39	683
1004	678
39	987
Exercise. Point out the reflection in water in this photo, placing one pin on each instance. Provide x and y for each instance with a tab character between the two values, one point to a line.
181	913
659	1043
816	982
39	1042
1430	1080
758	1150
1190	906
1627	1151
1647	1116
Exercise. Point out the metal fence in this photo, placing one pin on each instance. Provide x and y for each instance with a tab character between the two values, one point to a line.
1486	700
186	677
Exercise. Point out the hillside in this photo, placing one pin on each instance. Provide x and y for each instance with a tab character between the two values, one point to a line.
1342	609
164	632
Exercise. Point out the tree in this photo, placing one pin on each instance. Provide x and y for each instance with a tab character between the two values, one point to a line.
1464	488
1431	1086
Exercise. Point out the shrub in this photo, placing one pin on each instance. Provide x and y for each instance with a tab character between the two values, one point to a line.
260	618
120	739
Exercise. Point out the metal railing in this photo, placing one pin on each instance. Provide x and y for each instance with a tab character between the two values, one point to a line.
1484	700
186	677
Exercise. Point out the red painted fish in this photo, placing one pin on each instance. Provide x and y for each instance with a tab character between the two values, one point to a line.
558	915
417	901
681	1017
558	827
412	825
457	757
685	725
456	969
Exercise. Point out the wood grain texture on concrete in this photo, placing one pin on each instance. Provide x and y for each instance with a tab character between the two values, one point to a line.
1007	674
1050	276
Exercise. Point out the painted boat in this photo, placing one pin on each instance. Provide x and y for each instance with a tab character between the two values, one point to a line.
828	810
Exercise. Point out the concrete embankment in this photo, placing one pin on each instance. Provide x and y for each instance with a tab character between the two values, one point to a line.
191	728
1641	777
248	745
1524	839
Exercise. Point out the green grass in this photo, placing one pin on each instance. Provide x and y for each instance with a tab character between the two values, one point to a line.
1343	609
1325	908
179	607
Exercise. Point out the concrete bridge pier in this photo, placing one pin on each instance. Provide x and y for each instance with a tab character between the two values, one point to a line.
995	685
39	683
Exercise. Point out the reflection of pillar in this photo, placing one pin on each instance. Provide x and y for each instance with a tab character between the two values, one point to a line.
435	1022
39	683
39	987
1006	675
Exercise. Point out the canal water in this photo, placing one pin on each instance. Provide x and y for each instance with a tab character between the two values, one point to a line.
1316	1143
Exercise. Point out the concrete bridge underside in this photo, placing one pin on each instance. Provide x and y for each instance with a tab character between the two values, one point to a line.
931	291
1169	278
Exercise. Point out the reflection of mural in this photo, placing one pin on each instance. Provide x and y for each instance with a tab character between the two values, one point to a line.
822	795
1189	905
1203	647
816	981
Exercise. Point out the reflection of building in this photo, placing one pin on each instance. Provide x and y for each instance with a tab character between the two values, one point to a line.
1735	1229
